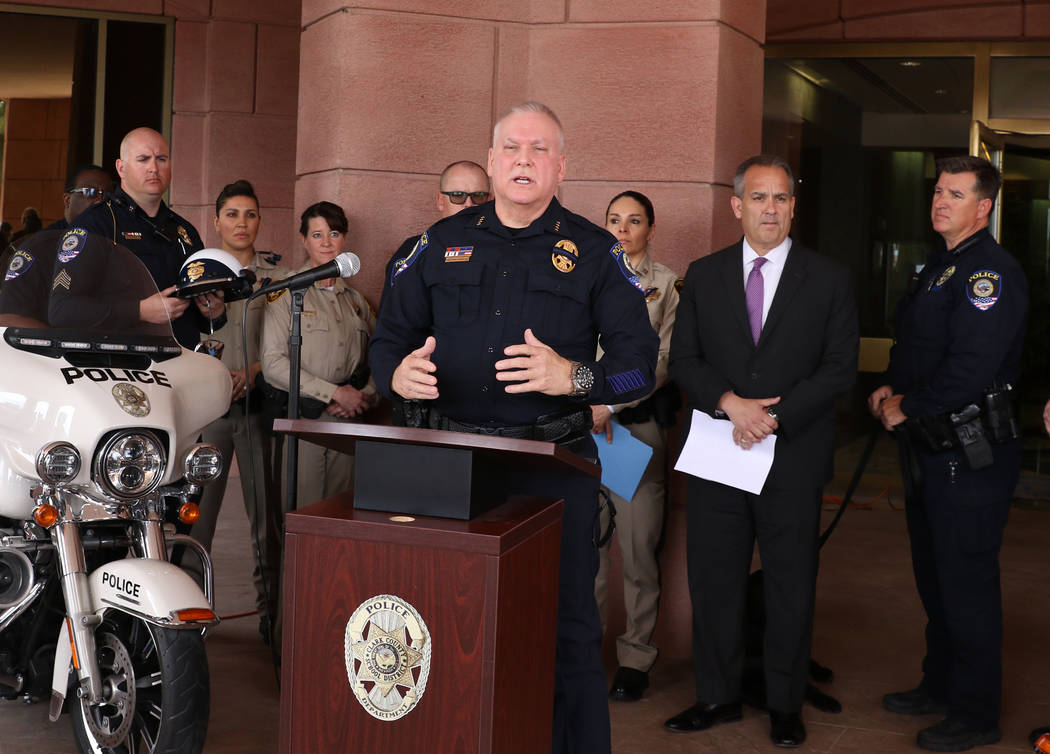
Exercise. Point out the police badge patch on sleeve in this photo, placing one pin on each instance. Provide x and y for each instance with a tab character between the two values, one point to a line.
620	255
20	262
403	264
983	289
72	244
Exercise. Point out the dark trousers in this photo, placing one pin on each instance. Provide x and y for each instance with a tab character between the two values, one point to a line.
722	525
581	707
955	523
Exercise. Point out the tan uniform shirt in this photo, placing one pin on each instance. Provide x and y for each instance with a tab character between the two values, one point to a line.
337	323
661	299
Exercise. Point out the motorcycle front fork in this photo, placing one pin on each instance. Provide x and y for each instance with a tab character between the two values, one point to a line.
81	620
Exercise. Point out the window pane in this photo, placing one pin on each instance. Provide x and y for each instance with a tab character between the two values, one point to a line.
1020	88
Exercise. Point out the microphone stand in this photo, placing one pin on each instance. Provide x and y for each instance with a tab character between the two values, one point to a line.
295	345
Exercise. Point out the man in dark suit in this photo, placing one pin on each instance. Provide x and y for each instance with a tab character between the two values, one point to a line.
766	336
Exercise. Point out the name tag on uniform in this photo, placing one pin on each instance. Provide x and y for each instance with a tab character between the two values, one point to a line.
130	235
458	253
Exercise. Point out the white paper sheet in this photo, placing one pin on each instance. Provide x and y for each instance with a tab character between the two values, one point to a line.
710	453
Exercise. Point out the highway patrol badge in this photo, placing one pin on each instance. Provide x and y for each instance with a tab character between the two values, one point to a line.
943	278
983	289
185	236
387	651
20	262
132	399
194	270
72	244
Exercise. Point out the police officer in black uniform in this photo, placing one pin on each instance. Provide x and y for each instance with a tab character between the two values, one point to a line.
136	217
948	397
493	321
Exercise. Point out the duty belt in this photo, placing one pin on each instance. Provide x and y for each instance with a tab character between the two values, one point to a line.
972	428
561	428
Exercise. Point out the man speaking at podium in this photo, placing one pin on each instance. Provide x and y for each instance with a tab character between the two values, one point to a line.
492	324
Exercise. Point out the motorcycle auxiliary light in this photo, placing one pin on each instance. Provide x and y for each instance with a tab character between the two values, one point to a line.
45	515
189	513
58	462
203	464
130	464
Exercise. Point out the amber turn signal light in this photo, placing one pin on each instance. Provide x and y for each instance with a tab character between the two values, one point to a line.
189	513
72	644
191	614
46	515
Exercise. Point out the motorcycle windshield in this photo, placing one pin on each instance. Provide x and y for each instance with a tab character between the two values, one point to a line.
83	286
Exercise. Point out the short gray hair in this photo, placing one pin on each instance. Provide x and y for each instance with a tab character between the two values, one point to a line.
532	107
762	161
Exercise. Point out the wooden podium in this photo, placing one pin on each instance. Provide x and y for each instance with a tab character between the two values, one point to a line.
486	589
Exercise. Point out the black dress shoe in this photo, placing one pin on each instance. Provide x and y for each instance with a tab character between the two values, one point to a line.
1036	734
703	716
915	702
628	684
786	729
956	734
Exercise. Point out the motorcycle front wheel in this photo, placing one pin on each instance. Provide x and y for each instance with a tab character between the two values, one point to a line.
155	689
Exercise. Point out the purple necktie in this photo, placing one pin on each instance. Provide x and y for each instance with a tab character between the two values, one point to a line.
754	288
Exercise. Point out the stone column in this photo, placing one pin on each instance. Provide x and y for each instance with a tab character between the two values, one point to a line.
666	103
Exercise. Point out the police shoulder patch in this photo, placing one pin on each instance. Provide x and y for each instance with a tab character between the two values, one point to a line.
983	288
403	264
20	262
72	244
620	255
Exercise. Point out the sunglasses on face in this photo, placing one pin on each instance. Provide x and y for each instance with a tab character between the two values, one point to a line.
88	191
459	197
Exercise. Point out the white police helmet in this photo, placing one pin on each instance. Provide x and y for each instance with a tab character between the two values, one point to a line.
215	270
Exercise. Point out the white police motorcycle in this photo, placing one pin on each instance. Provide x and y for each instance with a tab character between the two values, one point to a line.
99	417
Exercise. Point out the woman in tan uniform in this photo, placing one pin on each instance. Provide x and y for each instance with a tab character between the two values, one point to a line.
336	325
639	522
237	220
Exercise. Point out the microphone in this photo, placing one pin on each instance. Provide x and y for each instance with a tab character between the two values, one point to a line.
345	265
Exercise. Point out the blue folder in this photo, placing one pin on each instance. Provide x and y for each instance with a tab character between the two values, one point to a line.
623	462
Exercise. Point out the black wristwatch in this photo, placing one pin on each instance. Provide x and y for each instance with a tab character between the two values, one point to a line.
582	379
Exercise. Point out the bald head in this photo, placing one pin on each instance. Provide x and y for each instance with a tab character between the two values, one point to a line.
463	177
144	167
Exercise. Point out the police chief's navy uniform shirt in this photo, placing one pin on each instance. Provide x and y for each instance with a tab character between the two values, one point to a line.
961	329
476	286
122	220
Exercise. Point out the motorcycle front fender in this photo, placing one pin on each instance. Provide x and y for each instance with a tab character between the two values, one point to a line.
154	590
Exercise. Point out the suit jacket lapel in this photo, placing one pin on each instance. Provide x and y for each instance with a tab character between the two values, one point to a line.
790	283
733	284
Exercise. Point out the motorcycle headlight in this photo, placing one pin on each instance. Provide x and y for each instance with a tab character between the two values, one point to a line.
130	463
58	462
203	464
